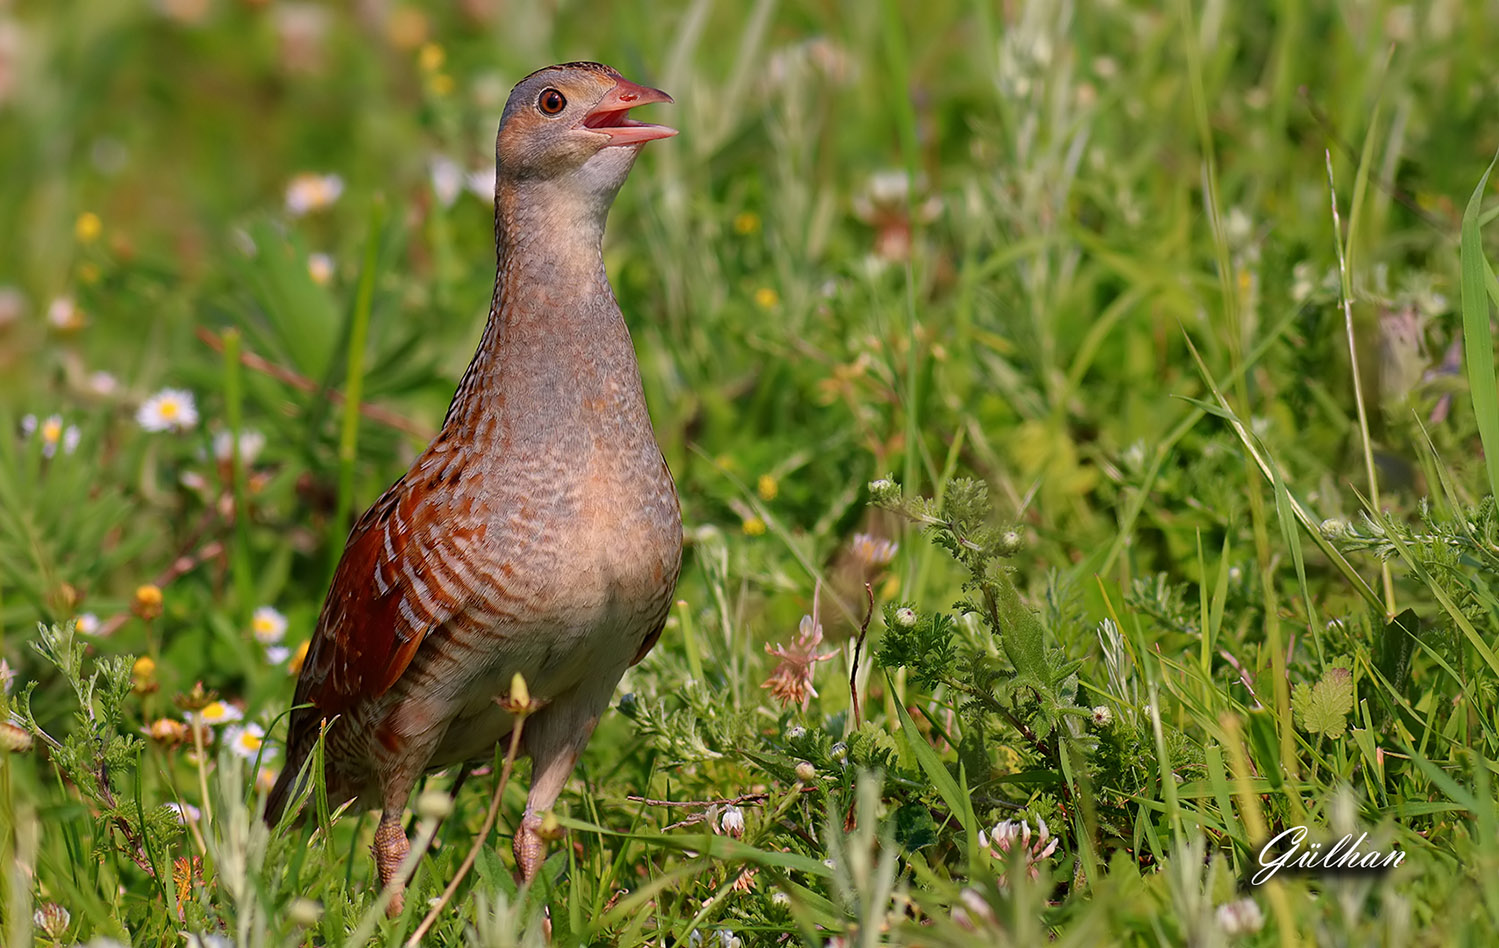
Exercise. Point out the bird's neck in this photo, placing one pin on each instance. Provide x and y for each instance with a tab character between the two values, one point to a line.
555	345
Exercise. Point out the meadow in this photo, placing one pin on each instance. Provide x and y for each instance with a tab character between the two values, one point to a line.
1084	415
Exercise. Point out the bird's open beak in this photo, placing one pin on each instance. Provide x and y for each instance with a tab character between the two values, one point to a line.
610	116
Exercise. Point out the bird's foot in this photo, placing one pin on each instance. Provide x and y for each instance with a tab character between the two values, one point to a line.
529	848
390	850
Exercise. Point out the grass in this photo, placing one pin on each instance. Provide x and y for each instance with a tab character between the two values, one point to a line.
1157	341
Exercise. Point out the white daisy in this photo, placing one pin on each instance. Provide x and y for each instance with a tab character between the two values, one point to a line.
277	654
312	192
246	741
87	623
268	625
218	712
170	409
53	433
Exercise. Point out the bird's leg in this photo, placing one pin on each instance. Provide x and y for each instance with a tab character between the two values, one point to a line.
555	738
548	775
390	849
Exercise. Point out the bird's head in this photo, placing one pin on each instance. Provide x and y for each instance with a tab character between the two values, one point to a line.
570	125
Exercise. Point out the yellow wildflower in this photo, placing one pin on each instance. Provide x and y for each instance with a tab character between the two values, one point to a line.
768	487
430	57
88	227
147	602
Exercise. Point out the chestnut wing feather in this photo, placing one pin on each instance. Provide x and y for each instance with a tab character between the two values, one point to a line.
401	576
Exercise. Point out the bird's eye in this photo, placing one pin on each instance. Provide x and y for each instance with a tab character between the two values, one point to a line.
551	101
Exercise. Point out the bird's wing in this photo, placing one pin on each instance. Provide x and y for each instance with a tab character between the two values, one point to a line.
402	575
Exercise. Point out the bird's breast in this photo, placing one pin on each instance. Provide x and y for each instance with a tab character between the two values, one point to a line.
590	538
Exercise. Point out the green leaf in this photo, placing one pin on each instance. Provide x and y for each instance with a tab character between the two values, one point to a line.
914	827
1023	635
1397	643
1323	708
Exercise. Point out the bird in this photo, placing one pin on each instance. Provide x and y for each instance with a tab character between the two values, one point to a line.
538	534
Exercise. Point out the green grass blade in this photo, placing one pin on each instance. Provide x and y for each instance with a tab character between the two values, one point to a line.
348	441
1478	335
932	766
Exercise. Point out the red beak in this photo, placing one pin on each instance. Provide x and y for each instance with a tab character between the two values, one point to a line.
611	115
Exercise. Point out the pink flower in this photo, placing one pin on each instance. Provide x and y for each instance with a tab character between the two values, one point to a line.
791	682
1016	836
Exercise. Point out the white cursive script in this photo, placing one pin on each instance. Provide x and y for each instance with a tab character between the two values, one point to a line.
1343	854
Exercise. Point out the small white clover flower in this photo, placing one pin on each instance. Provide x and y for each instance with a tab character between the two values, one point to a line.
732	821
1015	835
306	192
52	919
246	741
171	409
268	625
